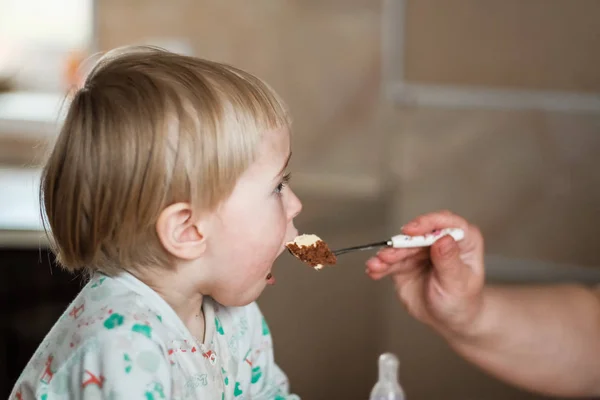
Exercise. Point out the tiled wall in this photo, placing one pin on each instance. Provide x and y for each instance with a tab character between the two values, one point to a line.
532	45
529	179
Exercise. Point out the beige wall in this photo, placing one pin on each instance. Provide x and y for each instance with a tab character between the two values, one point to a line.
533	44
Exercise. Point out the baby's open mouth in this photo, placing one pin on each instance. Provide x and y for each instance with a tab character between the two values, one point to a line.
270	279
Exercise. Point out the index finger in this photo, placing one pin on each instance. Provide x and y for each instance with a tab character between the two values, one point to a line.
432	221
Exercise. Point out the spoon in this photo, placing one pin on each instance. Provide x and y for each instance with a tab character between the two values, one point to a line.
407	241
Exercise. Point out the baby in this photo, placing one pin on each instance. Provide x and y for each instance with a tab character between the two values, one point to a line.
167	187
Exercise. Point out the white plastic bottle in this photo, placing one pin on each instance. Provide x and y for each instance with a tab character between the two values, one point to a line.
387	387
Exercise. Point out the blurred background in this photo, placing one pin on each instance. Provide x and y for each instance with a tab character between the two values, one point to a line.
488	108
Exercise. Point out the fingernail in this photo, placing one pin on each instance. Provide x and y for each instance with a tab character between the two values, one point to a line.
411	224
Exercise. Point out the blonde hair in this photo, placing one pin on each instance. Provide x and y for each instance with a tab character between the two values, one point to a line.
149	128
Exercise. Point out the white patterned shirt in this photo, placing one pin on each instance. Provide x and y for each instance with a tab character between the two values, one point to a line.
120	340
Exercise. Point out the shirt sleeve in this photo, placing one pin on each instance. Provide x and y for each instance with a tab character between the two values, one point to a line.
119	365
268	380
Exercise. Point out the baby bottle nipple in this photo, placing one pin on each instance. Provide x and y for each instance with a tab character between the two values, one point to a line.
387	387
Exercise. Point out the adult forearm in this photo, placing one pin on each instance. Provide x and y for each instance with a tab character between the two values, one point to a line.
544	338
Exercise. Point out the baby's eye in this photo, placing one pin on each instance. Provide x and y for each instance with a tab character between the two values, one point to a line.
284	181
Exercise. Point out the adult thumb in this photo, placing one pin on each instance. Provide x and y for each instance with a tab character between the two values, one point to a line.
450	270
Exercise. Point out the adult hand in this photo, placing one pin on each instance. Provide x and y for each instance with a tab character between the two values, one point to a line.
440	285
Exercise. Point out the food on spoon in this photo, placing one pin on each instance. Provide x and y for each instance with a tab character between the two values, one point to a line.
312	250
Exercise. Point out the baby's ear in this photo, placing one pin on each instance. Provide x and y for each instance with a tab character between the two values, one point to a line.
179	233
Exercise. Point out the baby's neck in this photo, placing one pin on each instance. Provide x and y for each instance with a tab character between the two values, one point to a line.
197	326
183	299
189	309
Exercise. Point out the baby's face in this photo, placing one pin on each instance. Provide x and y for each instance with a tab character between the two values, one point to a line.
253	225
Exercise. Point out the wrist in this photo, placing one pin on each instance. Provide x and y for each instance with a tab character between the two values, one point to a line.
476	328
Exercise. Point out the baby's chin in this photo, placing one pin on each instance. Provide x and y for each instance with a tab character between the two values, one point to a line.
250	295
239	301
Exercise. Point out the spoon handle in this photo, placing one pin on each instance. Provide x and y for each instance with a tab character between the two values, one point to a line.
406	241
